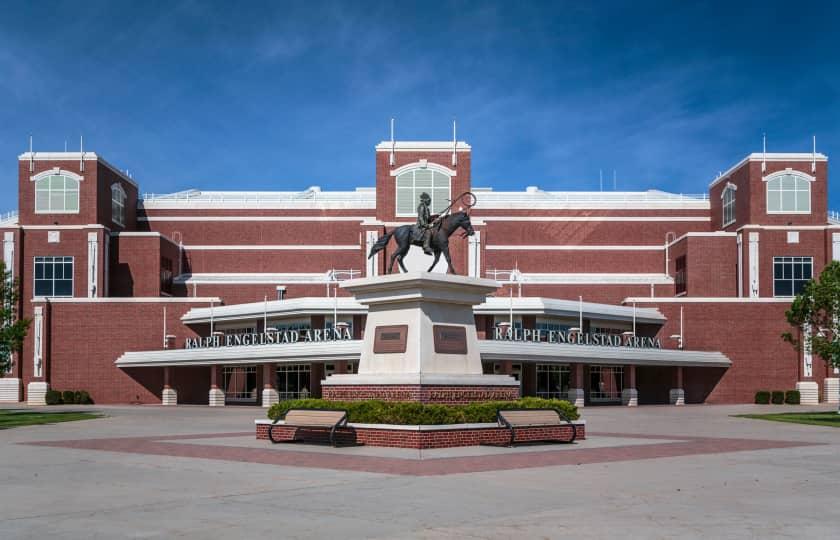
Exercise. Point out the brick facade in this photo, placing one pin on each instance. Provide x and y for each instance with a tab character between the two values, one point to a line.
609	254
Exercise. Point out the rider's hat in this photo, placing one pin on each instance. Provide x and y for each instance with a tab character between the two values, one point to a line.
425	197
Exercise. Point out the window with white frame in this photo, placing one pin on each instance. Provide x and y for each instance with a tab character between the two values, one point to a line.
411	184
53	276
606	383
553	381
788	193
240	383
300	325
57	194
790	274
728	197
118	204
293	381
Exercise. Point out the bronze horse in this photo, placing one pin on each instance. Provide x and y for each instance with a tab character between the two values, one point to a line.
439	243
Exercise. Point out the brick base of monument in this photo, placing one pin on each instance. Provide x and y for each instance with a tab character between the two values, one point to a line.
436	437
449	395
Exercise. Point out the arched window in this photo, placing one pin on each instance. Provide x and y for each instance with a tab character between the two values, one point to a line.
411	184
56	194
117	204
788	193
728	197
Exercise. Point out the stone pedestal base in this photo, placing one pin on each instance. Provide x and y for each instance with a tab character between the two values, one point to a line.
9	390
169	397
576	397
630	397
36	393
677	396
809	392
447	389
217	398
270	396
831	390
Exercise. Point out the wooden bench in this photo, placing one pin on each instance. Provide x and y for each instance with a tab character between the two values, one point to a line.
514	419
311	419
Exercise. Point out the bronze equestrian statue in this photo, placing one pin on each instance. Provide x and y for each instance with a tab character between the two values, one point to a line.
430	232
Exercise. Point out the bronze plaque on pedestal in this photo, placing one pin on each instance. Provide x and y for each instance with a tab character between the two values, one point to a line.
450	339
390	339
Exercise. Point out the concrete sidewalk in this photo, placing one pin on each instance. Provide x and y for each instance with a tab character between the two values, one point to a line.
83	493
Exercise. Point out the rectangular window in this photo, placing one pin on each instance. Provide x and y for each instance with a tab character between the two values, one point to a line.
293	381
411	184
53	276
240	383
553	381
606	383
790	274
728	206
166	275
679	278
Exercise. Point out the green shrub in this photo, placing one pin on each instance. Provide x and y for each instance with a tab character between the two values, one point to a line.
778	397
77	397
412	413
792	397
84	397
53	397
762	397
68	397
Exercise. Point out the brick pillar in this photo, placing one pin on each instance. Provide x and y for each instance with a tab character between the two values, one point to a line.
506	367
341	366
269	377
629	395
529	379
216	397
316	373
576	393
169	396
677	394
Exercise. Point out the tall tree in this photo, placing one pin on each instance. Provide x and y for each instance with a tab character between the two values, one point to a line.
817	309
12	330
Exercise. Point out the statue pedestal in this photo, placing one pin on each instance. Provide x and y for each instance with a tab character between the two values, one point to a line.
420	342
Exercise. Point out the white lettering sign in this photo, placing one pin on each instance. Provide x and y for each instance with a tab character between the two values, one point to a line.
270	338
577	338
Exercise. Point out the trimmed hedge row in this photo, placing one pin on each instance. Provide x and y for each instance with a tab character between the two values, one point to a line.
777	397
68	397
410	413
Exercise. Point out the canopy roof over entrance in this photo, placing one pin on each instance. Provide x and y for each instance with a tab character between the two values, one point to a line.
494	305
491	350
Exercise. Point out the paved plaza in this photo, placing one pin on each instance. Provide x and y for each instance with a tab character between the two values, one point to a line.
197	472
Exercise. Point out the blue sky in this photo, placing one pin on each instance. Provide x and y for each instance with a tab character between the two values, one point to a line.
284	95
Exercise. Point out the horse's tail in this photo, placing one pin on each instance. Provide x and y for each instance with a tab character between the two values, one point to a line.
380	244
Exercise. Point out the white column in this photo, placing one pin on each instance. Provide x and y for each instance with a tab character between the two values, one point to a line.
807	356
93	265
831	390
809	392
38	340
9	253
835	246
740	241
106	263
372	263
9	390
7	385
754	283
475	255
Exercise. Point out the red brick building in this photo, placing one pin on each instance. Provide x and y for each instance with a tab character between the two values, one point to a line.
118	286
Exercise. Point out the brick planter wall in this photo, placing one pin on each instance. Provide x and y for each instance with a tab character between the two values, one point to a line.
400	437
449	395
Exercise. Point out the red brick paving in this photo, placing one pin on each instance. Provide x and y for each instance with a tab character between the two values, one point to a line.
679	446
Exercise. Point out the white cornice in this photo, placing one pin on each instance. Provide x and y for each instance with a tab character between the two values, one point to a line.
286	247
130	300
422	146
705	300
758	156
554	247
236	278
711	234
354	219
594	218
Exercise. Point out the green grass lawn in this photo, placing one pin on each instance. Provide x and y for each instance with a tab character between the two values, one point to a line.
10	418
831	418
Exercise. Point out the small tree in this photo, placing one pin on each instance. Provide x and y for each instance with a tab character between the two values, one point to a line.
817	308
12	330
